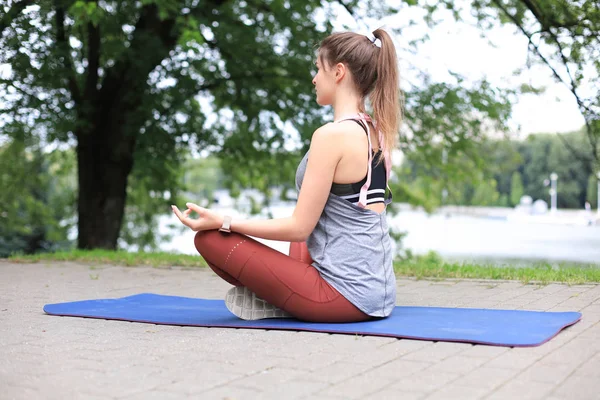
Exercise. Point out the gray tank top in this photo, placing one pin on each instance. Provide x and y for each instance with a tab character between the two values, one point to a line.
352	249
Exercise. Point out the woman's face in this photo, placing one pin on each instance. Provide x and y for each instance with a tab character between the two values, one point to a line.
324	81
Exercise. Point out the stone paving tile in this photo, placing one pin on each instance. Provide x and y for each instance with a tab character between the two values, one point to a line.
523	390
156	394
88	358
386	353
590	368
361	385
456	392
335	372
574	352
577	387
518	359
547	373
264	379
484	351
194	382
458	364
437	351
425	382
487	378
388	394
294	389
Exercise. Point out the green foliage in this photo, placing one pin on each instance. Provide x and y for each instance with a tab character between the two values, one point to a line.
516	188
202	177
136	81
431	265
514	168
544	154
426	266
563	37
592	191
486	193
99	257
127	80
447	125
36	200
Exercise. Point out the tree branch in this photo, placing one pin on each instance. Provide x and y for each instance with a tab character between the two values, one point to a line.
590	134
572	87
12	13
579	156
537	13
347	7
63	47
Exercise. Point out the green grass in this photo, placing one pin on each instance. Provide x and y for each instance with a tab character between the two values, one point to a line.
429	266
432	266
158	259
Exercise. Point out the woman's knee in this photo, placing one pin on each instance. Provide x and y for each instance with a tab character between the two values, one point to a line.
205	240
214	246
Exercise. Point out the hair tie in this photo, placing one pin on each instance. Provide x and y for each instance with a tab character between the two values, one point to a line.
373	39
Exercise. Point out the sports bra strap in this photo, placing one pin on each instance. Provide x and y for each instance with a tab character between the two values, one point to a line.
362	198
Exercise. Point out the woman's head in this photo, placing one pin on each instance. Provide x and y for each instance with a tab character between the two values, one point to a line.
348	58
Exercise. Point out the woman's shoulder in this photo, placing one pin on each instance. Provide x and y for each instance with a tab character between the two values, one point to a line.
328	133
341	128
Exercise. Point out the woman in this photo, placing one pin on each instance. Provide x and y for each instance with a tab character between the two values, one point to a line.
344	272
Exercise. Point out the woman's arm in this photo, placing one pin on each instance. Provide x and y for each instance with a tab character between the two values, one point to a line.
325	153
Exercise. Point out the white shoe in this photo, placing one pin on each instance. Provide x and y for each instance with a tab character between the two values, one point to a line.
243	303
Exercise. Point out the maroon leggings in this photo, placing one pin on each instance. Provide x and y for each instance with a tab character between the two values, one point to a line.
287	282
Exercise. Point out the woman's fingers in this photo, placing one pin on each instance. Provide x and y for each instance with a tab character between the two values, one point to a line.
176	211
183	217
195	207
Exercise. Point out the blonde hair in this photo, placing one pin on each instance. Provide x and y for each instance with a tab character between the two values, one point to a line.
375	74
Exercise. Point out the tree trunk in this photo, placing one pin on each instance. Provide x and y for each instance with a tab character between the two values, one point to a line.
110	119
102	171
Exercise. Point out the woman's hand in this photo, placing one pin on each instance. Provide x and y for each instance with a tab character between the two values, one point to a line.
208	219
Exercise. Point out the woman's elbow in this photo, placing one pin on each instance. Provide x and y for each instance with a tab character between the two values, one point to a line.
301	229
302	233
300	236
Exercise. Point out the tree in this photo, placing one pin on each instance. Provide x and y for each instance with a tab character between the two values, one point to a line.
118	80
36	201
592	191
486	194
125	83
516	188
564	36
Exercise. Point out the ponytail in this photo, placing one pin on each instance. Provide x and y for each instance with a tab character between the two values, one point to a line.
385	96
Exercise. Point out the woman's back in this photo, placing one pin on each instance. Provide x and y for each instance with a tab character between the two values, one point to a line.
352	250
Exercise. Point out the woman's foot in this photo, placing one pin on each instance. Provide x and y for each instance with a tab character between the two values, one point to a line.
245	304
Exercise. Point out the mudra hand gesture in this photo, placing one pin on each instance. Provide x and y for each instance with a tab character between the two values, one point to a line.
208	219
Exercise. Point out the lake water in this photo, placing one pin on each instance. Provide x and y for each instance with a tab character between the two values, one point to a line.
458	237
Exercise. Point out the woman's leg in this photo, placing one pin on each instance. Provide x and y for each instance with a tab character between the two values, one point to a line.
299	251
292	285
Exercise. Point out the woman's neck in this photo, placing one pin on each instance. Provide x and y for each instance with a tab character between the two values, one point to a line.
346	108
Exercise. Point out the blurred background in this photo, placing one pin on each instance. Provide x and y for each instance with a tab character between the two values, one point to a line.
111	111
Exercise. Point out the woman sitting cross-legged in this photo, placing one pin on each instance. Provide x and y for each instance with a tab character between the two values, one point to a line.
340	263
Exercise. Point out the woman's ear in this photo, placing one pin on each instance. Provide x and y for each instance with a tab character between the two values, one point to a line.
340	72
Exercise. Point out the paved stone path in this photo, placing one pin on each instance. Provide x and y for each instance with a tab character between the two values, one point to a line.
48	357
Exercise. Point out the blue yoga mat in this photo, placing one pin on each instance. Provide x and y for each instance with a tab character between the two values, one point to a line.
470	325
